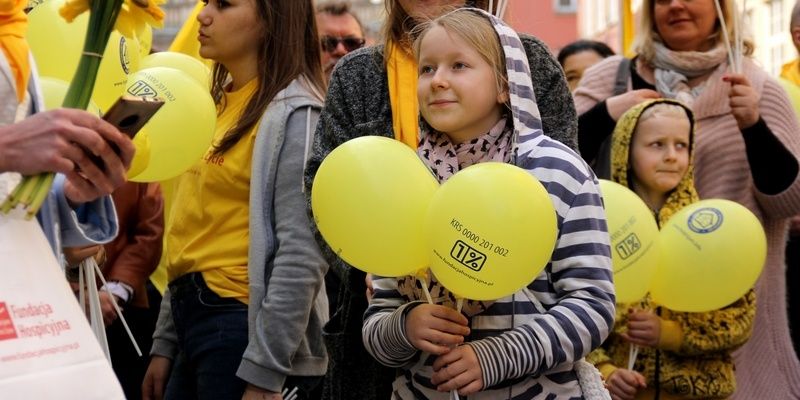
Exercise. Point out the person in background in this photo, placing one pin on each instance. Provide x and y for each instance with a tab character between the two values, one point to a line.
681	355
340	32
791	73
243	314
747	148
372	91
126	263
579	55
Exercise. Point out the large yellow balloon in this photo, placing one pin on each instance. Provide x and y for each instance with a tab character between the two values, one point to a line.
141	159
712	253
491	230
180	133
634	241
186	64
57	46
369	200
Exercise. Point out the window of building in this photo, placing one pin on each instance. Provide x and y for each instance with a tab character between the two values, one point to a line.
565	6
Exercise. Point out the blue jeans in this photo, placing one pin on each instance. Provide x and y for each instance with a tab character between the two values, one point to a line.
212	336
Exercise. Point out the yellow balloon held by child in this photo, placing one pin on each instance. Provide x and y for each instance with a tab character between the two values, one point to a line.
369	199
712	253
634	241
491	229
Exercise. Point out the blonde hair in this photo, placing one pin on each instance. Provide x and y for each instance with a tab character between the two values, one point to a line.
662	109
398	25
647	35
477	31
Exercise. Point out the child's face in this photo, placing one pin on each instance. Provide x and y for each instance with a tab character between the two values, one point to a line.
660	153
457	89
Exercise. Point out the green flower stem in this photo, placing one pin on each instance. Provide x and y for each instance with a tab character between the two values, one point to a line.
40	194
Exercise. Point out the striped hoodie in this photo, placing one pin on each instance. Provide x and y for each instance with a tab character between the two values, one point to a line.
528	343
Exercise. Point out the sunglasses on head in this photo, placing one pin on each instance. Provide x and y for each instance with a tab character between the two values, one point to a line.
329	43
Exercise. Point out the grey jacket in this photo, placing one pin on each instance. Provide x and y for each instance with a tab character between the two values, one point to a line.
357	105
288	305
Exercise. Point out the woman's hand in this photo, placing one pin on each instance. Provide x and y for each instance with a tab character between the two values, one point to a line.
257	393
644	328
458	370
74	255
617	105
743	100
435	328
624	383
155	379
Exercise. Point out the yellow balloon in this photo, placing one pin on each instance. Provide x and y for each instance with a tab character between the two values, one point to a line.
180	133
54	90
57	46
186	64
369	200
141	159
491	229
634	241
712	253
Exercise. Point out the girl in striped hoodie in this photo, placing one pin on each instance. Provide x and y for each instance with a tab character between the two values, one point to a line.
477	104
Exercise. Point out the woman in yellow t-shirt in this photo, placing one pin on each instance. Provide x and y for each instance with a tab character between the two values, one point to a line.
243	312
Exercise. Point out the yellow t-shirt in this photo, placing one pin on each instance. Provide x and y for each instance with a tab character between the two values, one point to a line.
208	231
791	71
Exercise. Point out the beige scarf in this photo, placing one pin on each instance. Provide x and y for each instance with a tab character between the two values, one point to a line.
673	69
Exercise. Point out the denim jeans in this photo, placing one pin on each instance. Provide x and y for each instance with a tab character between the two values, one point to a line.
212	336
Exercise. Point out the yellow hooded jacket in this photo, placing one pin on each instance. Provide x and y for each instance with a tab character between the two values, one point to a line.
693	358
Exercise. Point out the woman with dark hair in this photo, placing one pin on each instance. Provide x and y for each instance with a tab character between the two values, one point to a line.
579	55
241	234
373	91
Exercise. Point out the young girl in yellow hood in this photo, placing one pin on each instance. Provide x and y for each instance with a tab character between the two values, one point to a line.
682	355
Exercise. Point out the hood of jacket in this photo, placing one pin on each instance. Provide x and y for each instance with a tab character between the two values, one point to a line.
685	193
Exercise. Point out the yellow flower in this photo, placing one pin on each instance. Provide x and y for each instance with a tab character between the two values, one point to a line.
73	8
133	14
137	12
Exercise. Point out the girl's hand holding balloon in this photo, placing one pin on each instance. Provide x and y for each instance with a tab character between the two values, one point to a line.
435	329
623	384
644	328
458	370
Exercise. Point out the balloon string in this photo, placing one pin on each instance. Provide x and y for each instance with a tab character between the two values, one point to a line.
633	352
725	36
459	306
427	291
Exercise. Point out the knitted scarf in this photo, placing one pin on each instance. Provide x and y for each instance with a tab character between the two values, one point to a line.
673	69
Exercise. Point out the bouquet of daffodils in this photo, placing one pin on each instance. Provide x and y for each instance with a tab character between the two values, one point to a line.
104	17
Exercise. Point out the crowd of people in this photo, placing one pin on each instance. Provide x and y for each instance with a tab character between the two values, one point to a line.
259	307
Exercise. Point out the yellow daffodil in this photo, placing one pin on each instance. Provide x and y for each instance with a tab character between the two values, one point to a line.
133	14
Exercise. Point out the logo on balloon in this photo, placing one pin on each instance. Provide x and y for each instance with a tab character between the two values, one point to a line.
705	220
628	246
124	60
468	256
142	89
